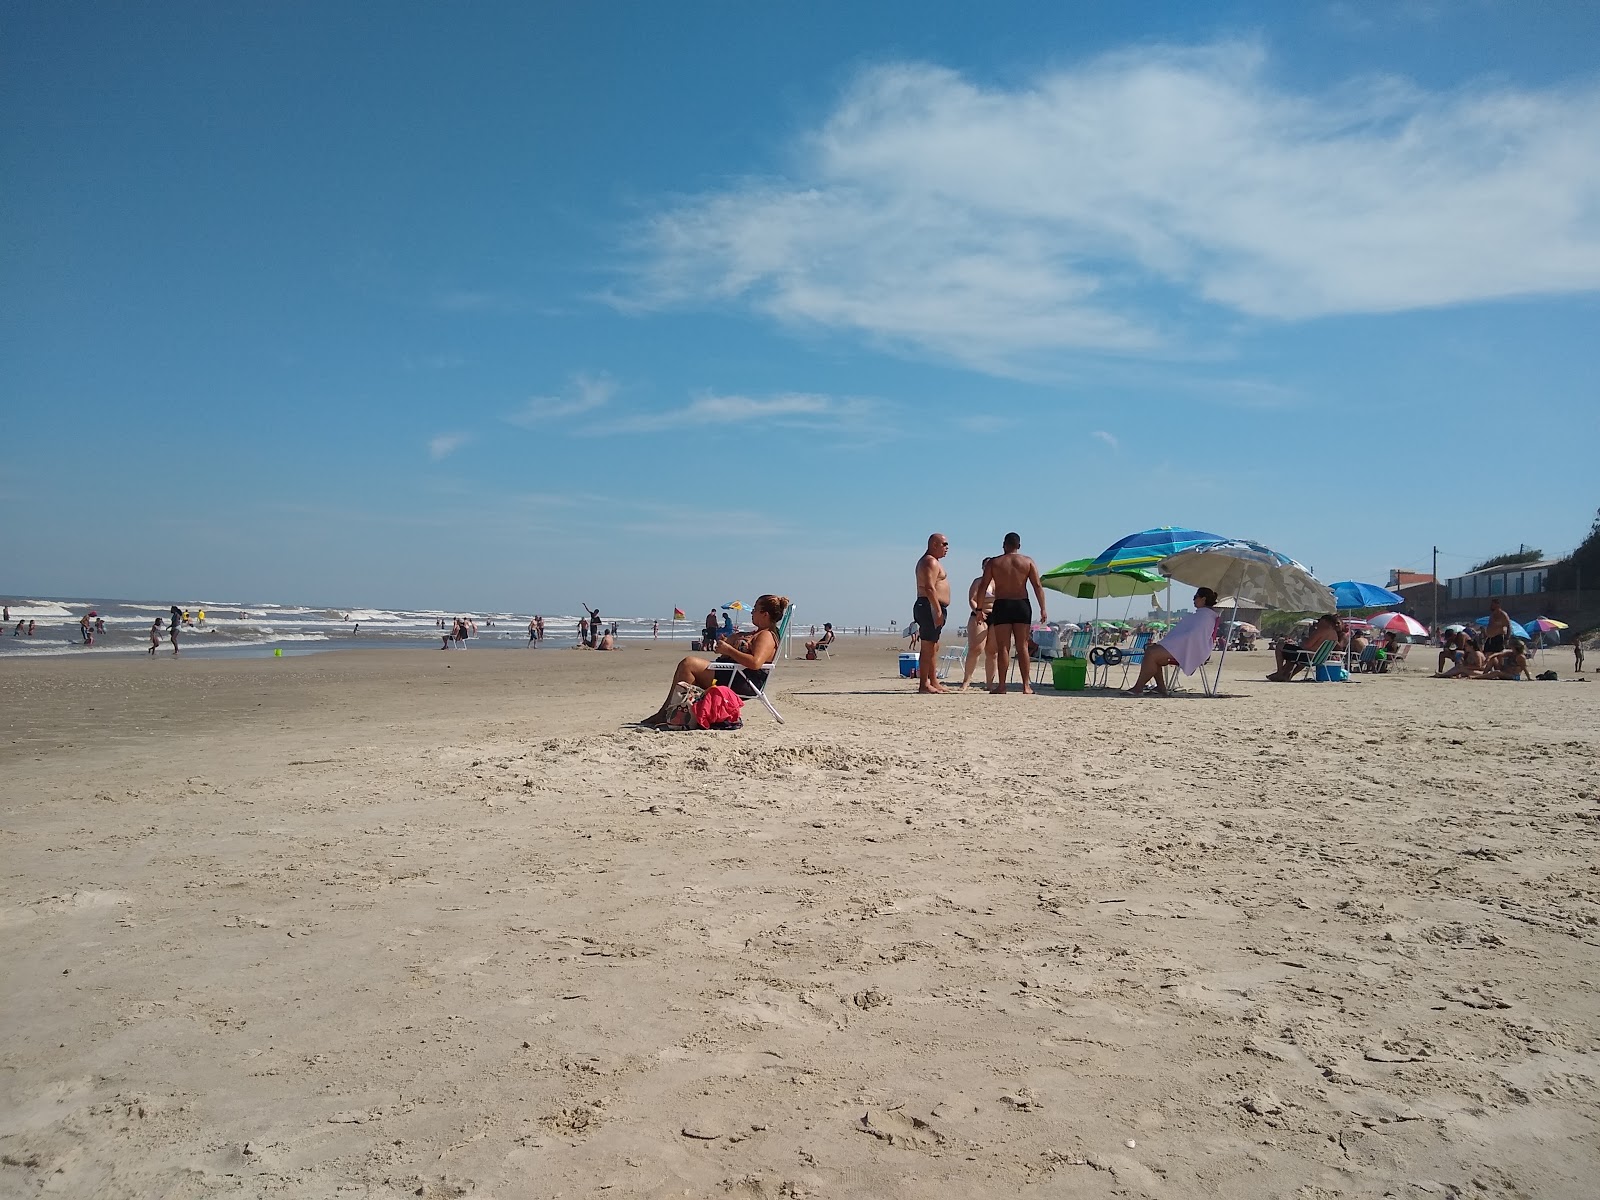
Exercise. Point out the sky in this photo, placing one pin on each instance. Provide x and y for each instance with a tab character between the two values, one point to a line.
508	306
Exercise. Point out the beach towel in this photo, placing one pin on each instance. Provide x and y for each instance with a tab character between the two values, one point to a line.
1190	641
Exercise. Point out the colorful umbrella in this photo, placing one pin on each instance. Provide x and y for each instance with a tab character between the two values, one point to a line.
1148	547
1516	629
1072	579
736	605
1350	594
1454	628
1399	623
1546	624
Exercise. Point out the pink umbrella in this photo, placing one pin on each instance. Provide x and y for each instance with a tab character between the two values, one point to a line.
1393	622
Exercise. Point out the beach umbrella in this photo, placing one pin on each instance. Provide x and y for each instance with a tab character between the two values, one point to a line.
1148	547
736	605
1350	594
1072	579
1401	624
1356	623
1249	570
1546	624
1454	628
1516	629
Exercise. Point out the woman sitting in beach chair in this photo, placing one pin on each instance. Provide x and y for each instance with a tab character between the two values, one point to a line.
752	651
1186	646
1293	658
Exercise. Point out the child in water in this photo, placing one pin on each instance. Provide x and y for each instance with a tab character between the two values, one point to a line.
155	635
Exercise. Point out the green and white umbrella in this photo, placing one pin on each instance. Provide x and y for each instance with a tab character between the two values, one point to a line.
1070	580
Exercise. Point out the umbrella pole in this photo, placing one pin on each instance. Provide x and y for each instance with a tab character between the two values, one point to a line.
1217	685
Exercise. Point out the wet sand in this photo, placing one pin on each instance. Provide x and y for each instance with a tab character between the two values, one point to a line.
439	924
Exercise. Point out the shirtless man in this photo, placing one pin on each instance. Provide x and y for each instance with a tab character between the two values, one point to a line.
929	612
1011	618
1495	638
980	599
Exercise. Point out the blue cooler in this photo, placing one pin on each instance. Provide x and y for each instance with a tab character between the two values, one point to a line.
908	666
1332	673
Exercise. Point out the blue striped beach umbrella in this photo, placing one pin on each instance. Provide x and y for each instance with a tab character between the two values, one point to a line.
1148	547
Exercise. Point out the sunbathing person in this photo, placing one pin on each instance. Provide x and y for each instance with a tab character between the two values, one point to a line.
1187	645
1295	657
753	651
1510	663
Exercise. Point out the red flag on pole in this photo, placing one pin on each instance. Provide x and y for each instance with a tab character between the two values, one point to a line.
677	614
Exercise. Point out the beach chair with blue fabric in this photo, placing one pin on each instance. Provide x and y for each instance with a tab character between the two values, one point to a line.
745	683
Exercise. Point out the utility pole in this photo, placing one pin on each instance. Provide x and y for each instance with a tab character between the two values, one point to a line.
1436	591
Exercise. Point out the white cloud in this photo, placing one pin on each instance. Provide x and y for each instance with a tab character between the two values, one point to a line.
1109	439
795	410
442	445
584	394
1005	226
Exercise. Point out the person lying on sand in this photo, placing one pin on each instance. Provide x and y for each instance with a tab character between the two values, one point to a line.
753	651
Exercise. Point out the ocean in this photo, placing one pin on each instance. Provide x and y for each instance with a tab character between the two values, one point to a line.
232	628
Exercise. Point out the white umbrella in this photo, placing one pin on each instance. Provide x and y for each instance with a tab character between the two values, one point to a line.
1249	571
1399	623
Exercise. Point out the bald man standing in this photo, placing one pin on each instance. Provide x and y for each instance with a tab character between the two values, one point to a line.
929	612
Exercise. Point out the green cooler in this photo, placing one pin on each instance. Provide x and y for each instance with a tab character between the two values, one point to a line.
1069	674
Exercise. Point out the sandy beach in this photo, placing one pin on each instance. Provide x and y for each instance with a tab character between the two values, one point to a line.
432	924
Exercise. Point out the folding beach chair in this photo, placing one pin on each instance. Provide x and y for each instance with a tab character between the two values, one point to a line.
1131	658
1323	654
733	675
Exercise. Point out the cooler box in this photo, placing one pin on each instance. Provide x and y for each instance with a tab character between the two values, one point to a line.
908	666
1069	674
1332	673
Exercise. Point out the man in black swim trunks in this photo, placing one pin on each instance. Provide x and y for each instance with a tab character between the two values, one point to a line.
1011	618
1499	632
930	610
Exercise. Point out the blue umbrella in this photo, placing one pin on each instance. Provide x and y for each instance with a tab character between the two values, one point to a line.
1350	594
1148	547
1516	630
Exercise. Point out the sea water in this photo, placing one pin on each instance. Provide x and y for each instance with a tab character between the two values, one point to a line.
234	628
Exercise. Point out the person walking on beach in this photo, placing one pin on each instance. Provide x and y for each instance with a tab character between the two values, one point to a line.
172	626
655	629
1494	638
155	636
1577	652
533	631
980	599
1011	618
539	621
929	611
86	630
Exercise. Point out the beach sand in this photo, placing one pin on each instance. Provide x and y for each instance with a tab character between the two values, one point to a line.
437	924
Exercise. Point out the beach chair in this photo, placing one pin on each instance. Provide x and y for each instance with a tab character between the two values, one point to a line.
952	658
1323	654
1131	658
1397	660
729	673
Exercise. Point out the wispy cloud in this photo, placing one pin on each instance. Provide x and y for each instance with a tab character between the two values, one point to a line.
795	410
1009	227
584	393
442	445
1109	439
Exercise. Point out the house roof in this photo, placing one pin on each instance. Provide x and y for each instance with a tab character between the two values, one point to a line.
1506	568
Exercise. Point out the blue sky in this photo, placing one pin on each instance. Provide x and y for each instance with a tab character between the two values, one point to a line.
510	306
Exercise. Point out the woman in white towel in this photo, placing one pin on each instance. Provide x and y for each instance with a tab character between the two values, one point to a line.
1186	646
